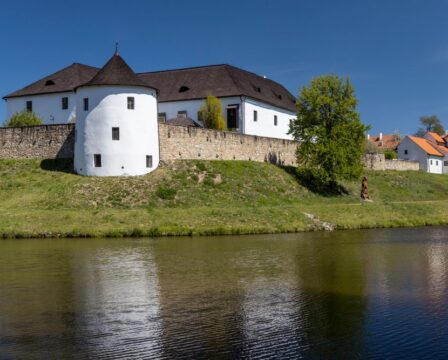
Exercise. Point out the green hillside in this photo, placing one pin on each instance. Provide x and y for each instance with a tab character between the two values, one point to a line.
42	198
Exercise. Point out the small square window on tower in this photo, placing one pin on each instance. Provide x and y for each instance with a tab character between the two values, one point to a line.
29	106
64	103
255	115
115	133
275	120
97	160
86	104
131	103
149	161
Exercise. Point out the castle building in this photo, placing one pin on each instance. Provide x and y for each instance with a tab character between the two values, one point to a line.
117	111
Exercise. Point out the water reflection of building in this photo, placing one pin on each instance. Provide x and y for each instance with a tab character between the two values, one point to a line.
117	301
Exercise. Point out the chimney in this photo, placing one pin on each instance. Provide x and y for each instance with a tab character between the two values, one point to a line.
381	136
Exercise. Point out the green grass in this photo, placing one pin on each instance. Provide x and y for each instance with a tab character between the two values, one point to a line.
44	199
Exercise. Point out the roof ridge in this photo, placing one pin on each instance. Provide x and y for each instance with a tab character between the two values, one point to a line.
90	66
181	69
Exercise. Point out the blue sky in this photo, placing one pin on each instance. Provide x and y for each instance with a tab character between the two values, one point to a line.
395	51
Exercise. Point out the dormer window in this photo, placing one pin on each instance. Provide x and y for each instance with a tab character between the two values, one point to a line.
183	89
49	83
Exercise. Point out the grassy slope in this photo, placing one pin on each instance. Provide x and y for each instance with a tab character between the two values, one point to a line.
208	197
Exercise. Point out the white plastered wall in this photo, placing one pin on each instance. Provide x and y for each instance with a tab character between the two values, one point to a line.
264	126
48	107
139	134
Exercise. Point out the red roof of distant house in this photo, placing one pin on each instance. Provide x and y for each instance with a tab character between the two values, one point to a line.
426	145
386	141
436	137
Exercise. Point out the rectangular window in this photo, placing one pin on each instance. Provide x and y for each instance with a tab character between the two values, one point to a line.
64	103
405	152
431	162
86	104
29	106
161	117
445	163
115	133
437	162
255	115
131	103
275	120
182	114
97	160
200	116
149	161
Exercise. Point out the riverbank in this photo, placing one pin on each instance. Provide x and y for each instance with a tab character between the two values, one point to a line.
44	199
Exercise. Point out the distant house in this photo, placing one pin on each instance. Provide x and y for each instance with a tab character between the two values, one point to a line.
390	141
431	156
435	138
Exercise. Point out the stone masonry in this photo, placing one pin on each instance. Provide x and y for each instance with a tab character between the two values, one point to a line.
176	142
379	163
45	141
179	142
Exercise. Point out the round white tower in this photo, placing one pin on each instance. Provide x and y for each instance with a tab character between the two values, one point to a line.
116	131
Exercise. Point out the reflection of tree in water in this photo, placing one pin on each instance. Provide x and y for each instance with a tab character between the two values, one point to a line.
331	274
200	302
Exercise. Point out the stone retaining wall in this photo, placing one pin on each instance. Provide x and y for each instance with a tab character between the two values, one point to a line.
379	163
176	142
179	142
46	141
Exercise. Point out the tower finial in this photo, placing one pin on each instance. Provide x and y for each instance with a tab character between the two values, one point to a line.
116	48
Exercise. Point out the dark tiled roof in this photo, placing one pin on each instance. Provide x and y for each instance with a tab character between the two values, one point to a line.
61	81
220	81
116	72
173	85
182	121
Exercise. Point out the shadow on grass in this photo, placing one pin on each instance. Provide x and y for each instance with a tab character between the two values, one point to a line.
59	165
314	185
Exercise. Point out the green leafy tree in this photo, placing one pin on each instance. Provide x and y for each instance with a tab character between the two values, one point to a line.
331	134
23	118
390	154
430	123
211	113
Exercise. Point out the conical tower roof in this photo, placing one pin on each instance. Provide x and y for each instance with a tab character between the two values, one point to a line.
116	72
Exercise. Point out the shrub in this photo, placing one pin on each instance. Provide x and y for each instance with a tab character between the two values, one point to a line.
23	118
165	193
390	154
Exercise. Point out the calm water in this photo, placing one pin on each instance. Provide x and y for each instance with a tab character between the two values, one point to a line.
359	294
